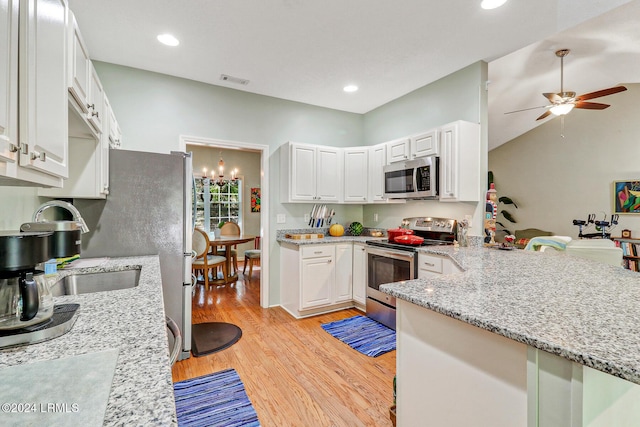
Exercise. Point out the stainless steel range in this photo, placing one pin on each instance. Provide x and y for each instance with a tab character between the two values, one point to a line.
389	262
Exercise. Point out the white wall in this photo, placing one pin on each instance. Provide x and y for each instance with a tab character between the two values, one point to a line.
459	96
555	180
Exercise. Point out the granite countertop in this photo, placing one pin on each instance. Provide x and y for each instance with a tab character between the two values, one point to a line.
582	310
280	237
130	320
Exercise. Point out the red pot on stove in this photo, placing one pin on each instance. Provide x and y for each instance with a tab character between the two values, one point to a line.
395	232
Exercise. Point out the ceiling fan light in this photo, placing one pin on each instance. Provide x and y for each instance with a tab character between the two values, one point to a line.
492	4
561	109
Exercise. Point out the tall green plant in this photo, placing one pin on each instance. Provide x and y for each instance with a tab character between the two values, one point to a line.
505	200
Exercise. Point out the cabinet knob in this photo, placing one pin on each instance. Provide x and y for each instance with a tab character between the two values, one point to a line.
329	262
13	148
42	156
96	114
91	106
429	264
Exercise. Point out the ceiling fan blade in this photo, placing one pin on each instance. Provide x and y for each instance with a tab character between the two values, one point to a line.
553	97
527	109
544	115
591	105
599	93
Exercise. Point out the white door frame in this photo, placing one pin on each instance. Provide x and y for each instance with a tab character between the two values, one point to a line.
264	199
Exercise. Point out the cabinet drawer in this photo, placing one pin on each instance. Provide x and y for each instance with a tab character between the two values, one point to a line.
430	263
314	251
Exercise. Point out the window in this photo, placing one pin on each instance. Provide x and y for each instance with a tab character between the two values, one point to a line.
224	203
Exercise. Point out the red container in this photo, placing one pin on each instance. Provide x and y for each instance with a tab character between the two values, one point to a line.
408	239
395	232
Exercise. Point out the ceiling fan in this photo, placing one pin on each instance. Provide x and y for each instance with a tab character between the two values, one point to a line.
563	102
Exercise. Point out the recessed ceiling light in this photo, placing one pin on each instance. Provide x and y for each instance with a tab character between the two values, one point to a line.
492	4
168	39
350	88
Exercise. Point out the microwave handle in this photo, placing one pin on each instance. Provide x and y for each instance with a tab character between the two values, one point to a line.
415	179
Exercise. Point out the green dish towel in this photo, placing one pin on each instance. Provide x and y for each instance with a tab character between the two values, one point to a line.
556	242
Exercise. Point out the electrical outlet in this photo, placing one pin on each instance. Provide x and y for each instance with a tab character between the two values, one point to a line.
375	217
306	218
469	219
281	218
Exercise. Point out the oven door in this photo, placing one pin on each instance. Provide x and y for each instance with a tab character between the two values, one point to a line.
388	266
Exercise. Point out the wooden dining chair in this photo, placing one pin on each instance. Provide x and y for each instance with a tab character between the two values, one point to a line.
231	229
204	261
251	256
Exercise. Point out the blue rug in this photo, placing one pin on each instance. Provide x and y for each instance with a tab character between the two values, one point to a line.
217	399
363	334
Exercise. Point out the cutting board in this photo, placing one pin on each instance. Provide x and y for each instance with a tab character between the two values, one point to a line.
66	392
304	236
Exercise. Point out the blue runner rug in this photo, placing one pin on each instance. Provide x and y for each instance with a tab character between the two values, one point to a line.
363	334
217	399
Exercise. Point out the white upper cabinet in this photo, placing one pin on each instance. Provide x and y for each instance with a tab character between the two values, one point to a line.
96	101
459	162
398	150
377	161
42	88
425	144
8	86
310	173
79	72
356	167
115	134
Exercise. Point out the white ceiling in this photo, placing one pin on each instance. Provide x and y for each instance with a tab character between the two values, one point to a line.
307	50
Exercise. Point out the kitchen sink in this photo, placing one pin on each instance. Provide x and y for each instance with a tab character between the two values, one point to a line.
96	282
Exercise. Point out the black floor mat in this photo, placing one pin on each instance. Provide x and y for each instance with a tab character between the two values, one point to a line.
207	338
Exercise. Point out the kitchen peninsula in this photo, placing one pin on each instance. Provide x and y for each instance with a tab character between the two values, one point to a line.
130	322
519	338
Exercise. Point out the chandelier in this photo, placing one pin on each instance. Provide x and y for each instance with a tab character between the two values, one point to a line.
220	180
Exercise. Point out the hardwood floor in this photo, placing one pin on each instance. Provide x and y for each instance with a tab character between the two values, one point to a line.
294	372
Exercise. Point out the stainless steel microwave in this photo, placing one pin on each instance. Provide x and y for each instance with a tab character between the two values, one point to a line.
412	179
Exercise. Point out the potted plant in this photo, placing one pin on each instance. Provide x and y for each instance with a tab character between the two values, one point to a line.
216	231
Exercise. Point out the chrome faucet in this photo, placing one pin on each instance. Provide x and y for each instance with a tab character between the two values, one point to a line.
65	205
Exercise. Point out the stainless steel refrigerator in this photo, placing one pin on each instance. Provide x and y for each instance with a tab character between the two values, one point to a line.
148	211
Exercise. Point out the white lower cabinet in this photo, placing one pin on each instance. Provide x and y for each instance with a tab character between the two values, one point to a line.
316	278
430	265
359	274
343	289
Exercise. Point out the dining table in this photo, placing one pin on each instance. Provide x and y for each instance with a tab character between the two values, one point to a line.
228	242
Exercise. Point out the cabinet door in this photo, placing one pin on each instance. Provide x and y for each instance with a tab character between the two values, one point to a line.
343	273
303	172
8	81
356	166
104	148
359	273
96	103
398	151
115	135
377	161
425	144
328	174
43	86
449	163
79	67
317	281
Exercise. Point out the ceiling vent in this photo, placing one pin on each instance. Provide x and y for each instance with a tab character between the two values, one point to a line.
232	79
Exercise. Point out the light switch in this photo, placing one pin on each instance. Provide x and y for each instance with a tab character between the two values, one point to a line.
281	218
375	217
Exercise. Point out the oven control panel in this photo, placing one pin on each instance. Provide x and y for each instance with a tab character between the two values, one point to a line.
442	225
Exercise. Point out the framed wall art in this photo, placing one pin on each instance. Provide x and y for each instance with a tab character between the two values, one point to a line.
255	200
626	197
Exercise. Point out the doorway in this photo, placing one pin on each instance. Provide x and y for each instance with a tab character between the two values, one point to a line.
263	151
